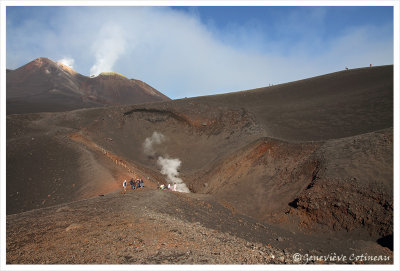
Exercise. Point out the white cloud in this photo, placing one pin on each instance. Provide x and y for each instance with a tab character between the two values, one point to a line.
179	55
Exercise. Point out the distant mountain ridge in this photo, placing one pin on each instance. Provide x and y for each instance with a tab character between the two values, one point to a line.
43	85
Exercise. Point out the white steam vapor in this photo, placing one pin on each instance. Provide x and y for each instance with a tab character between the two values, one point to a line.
156	138
108	47
67	61
169	166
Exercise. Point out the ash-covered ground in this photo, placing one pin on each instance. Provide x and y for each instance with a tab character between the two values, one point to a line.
304	167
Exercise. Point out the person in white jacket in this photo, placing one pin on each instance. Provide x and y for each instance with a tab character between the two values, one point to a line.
124	185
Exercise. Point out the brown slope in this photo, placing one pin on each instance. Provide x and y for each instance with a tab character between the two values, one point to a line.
213	136
340	185
50	161
330	106
46	86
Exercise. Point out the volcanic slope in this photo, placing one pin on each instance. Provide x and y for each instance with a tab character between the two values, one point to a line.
312	156
47	86
149	226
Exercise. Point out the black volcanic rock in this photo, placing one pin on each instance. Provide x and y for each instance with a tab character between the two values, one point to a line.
46	86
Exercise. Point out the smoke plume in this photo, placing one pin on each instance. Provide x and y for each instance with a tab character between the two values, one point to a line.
156	138
67	61
108	47
169	167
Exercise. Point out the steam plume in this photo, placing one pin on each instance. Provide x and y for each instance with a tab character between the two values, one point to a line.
108	47
169	167
67	61
156	138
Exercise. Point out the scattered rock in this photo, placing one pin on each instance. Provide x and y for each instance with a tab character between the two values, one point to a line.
64	209
337	204
73	227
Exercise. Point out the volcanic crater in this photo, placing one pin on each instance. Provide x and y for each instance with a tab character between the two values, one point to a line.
302	167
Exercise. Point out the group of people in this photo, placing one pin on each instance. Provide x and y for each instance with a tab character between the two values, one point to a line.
139	184
346	68
163	187
134	184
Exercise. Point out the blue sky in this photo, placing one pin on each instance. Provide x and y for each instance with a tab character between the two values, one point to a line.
195	51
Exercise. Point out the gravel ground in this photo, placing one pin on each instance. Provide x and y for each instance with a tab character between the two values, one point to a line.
147	227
